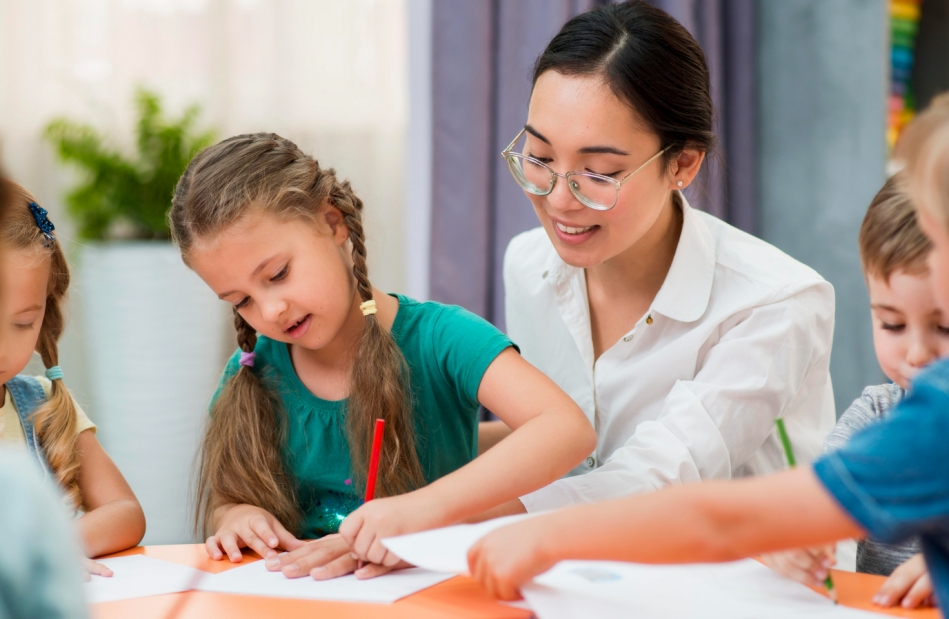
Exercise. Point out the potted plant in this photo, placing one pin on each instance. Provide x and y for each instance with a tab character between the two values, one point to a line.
154	331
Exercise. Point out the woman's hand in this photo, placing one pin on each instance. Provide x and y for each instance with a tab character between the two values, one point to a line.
909	586
809	566
365	528
323	559
242	526
506	558
92	568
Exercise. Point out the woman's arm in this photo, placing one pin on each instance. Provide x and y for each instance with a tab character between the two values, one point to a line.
114	520
695	523
551	435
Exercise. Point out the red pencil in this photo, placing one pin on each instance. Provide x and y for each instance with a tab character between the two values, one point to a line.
373	466
374	459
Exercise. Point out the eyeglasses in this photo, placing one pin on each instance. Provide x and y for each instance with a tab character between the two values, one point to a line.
592	190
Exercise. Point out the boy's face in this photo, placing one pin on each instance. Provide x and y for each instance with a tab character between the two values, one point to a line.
25	275
938	258
909	329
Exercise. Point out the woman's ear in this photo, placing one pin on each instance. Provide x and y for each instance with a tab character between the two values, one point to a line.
685	167
337	223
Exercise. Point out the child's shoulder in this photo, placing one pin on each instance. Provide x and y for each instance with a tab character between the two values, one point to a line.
880	399
434	315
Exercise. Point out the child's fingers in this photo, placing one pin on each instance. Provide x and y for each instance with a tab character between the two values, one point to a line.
350	527
919	593
371	570
213	546
262	538
255	543
97	568
286	539
314	555
340	566
362	545
900	581
378	553
229	543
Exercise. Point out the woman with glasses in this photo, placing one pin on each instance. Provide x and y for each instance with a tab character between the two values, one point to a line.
681	337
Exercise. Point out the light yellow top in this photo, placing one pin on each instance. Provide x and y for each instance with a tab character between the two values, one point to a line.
11	431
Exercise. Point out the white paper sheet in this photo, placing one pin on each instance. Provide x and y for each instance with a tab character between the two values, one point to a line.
445	550
738	590
139	576
254	579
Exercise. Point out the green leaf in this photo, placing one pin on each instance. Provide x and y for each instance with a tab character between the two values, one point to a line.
137	188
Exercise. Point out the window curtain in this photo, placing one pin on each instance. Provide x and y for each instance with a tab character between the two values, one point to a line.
482	55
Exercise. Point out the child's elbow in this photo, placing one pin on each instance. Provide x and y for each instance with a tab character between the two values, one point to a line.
136	522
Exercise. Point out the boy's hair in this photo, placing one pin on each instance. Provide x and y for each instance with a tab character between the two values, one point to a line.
55	421
241	457
924	148
890	239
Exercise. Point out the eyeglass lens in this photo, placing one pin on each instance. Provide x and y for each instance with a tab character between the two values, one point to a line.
536	178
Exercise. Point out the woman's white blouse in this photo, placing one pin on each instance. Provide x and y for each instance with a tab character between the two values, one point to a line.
739	334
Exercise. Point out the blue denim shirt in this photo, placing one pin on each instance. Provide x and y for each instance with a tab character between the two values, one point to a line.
893	477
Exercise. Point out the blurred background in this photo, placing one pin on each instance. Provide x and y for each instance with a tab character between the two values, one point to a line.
412	100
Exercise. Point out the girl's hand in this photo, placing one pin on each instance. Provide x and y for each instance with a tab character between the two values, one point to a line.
365	528
323	559
506	558
908	586
242	526
809	566
93	568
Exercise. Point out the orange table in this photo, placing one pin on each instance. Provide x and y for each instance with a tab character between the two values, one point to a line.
459	597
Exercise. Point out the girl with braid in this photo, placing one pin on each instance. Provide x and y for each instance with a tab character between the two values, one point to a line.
37	412
322	355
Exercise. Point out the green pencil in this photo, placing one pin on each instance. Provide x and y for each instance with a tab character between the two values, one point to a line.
783	433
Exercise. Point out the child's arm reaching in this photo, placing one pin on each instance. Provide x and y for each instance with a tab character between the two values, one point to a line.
551	435
708	522
114	520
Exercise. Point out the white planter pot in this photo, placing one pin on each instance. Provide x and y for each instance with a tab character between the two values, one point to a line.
154	336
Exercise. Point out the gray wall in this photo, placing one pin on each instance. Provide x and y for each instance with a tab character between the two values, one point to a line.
822	117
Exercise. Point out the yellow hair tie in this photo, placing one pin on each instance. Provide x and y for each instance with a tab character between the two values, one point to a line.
368	307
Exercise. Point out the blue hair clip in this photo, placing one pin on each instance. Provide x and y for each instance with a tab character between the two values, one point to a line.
42	220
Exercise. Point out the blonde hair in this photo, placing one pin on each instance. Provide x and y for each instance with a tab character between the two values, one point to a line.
241	456
924	148
55	421
890	238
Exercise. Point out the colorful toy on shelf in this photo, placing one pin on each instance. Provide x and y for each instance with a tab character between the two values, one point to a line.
904	24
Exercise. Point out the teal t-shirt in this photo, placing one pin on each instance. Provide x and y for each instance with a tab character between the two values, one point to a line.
447	348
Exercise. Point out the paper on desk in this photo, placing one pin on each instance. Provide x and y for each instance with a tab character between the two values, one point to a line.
139	576
445	550
254	579
740	589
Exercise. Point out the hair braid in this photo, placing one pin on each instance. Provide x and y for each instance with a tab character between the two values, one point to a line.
379	375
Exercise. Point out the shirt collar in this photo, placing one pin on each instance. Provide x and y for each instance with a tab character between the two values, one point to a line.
686	291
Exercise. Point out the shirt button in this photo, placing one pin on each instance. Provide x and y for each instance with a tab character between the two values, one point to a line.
590	461
649	319
544	276
628	338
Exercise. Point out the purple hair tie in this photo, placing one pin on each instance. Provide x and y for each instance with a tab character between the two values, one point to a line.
247	358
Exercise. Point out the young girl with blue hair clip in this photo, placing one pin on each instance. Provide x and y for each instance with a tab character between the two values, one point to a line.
38	412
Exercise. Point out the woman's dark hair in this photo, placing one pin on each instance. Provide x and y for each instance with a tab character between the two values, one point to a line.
650	62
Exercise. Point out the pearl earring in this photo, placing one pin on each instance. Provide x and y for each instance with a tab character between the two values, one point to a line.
679	183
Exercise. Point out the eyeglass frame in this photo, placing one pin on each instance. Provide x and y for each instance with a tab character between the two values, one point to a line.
507	153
